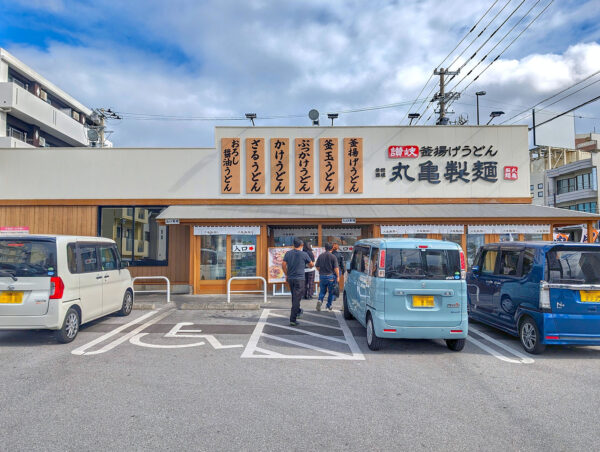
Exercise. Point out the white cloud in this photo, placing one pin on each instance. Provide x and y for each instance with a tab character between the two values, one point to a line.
288	57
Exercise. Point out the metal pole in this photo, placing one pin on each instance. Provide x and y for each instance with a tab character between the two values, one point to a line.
533	128
477	108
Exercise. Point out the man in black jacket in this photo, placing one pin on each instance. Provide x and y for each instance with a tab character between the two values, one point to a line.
294	263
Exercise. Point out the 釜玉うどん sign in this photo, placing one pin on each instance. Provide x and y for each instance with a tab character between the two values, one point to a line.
230	165
328	166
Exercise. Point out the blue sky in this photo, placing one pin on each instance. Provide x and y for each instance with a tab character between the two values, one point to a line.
221	59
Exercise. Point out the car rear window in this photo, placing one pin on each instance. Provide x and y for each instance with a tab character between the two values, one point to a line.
28	257
422	264
574	265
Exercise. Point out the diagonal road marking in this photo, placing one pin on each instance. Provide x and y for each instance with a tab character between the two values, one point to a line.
523	358
308	322
302	344
309	333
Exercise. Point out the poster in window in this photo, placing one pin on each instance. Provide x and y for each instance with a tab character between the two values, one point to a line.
275	263
328	165
353	165
255	165
280	165
304	161
230	165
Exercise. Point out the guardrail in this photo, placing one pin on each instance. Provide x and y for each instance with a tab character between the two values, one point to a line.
263	291
168	290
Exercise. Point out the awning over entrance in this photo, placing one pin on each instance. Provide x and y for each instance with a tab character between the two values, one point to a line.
379	212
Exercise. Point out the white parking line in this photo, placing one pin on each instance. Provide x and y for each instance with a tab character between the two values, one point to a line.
252	349
308	322
524	358
82	350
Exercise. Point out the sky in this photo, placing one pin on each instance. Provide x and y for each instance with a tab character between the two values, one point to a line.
176	69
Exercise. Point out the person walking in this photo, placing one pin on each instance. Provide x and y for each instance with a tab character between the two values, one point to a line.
309	273
294	262
329	273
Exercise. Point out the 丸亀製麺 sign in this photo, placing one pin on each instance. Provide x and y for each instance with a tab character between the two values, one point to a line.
280	165
304	159
243	248
353	165
328	166
230	165
255	165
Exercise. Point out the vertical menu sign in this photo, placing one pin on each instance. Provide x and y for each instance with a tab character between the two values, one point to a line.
230	165
353	165
305	165
255	165
280	165
328	167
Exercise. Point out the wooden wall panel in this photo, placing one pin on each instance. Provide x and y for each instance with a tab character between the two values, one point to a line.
68	220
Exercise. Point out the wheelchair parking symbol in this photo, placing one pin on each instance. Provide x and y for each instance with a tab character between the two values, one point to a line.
178	332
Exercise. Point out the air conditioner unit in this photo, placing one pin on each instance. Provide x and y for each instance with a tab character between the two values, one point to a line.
42	142
43	95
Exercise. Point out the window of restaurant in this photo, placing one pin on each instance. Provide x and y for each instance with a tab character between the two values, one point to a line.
213	257
474	241
344	237
140	239
243	255
285	236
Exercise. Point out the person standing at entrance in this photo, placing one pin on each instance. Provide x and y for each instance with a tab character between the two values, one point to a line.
309	273
329	273
294	262
341	261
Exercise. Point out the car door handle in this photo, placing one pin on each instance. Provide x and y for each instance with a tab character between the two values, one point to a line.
106	276
98	277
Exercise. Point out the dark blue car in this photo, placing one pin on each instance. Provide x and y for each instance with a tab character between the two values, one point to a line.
543	292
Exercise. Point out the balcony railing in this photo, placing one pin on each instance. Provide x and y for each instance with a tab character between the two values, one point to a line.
17	134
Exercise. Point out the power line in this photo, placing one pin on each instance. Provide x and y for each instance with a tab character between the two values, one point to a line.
554	95
450	53
565	112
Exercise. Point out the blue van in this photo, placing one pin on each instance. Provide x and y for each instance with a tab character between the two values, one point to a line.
543	292
408	288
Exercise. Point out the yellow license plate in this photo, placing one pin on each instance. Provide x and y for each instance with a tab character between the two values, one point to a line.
590	296
11	297
423	301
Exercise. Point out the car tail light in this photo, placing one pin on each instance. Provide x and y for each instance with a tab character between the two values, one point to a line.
423	246
545	297
456	331
382	259
57	288
389	330
552	337
463	265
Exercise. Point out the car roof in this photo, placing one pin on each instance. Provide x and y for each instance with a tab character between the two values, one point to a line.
541	245
396	242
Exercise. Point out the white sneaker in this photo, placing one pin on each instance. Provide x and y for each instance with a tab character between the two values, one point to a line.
330	308
319	304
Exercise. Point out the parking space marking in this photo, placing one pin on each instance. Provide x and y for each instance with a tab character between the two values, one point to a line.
522	359
308	322
253	350
82	350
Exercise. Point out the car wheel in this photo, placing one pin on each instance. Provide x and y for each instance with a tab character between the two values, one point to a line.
373	341
455	345
347	313
70	327
127	304
531	339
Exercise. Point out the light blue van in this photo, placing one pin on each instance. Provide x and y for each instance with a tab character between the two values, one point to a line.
408	288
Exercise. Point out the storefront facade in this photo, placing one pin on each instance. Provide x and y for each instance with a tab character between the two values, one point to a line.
202	216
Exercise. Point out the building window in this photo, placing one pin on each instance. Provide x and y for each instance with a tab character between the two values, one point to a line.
540	186
579	182
540	194
213	257
531	188
243	255
140	239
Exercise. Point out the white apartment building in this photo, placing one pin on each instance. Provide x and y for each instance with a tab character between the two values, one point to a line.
36	113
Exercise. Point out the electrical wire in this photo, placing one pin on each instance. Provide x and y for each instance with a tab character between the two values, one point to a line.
450	53
565	112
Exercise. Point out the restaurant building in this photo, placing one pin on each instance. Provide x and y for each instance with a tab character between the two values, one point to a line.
203	215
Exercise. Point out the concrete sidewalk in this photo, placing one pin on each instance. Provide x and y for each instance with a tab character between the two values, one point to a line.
219	302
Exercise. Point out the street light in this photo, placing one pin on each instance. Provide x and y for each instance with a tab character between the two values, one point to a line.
251	117
332	116
494	114
479	93
413	116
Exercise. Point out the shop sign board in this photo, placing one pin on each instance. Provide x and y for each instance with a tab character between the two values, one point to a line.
230	165
399	152
255	165
422	229
16	230
304	158
342	232
295	232
172	221
275	263
280	165
509	229
226	230
353	165
348	220
328	165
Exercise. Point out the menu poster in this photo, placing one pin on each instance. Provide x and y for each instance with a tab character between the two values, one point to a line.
275	267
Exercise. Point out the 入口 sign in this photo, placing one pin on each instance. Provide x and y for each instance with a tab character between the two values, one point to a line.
243	248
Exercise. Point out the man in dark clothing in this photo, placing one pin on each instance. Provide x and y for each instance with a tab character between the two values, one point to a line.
341	261
329	273
294	262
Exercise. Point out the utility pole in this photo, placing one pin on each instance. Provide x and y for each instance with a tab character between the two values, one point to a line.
442	97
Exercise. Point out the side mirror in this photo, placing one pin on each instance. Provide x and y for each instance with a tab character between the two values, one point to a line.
475	269
124	264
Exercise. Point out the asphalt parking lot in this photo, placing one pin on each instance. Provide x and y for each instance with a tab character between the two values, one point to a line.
245	380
